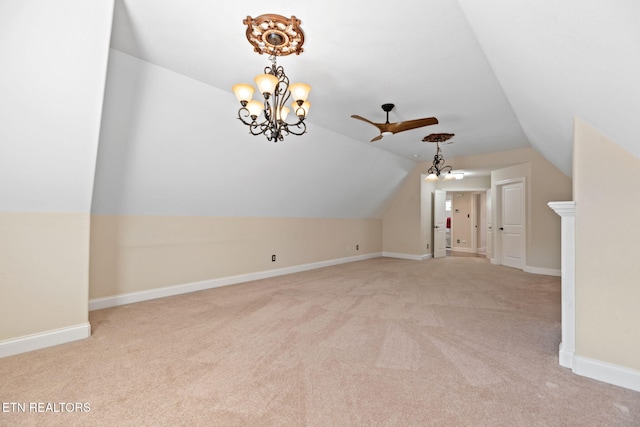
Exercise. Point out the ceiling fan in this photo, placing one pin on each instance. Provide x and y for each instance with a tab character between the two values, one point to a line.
391	128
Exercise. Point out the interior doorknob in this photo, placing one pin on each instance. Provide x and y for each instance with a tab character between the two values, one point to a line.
501	228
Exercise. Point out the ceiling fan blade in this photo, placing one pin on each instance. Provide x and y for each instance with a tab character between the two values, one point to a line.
411	124
392	128
355	116
380	126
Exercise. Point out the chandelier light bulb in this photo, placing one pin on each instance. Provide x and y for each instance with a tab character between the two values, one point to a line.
282	113
255	108
300	91
243	92
266	83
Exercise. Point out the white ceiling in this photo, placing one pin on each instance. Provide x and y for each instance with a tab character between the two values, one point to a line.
500	74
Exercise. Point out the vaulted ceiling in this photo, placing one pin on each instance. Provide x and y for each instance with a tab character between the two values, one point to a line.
500	74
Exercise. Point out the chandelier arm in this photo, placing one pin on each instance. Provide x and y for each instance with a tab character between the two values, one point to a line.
257	128
267	109
243	113
300	109
265	128
300	125
283	85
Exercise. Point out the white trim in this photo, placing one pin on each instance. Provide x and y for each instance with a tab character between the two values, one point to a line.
461	249
540	270
45	339
563	208
482	250
567	212
133	297
407	256
510	180
565	356
607	372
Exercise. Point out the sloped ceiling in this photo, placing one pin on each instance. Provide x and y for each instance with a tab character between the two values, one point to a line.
420	55
557	60
500	74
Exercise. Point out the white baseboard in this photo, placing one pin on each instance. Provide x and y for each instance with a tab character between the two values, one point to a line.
461	249
534	270
607	372
407	256
133	297
545	271
565	357
40	340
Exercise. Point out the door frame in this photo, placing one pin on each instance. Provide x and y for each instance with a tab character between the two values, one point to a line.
476	220
497	214
489	225
435	227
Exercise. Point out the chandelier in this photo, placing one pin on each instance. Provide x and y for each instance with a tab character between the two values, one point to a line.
438	167
276	36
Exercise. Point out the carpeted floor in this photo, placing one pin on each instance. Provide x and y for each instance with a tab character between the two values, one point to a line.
454	341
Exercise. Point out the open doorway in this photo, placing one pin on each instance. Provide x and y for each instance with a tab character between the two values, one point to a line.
466	223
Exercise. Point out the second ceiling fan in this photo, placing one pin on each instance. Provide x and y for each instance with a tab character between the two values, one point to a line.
391	128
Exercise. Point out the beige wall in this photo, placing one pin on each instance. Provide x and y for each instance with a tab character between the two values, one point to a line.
402	227
136	253
549	184
44	258
406	227
607	236
470	183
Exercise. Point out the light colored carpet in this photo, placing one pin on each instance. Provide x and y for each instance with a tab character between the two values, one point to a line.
382	342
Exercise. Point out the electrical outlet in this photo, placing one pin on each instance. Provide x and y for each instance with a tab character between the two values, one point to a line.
457	241
273	258
357	247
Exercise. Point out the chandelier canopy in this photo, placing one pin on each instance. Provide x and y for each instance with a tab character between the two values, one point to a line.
438	167
276	36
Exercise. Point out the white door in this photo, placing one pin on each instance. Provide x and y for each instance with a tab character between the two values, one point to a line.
439	224
489	226
512	225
